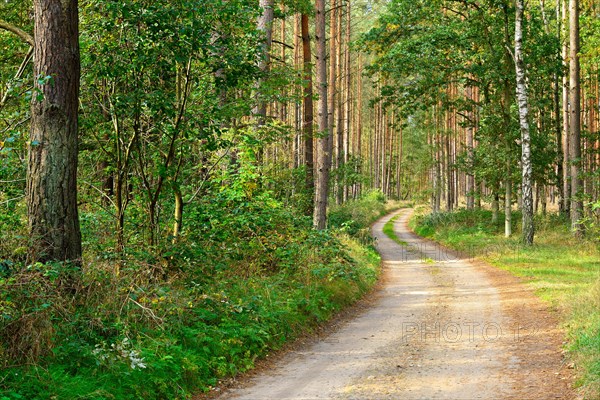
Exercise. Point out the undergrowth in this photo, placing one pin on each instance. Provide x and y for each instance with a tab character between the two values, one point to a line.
563	270
246	276
356	217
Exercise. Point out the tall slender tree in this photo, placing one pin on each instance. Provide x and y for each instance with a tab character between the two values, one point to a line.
522	101
308	115
575	118
265	26
52	167
324	135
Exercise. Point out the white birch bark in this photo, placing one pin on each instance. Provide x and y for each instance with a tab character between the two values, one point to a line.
522	101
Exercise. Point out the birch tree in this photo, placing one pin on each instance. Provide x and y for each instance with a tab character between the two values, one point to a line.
575	118
522	101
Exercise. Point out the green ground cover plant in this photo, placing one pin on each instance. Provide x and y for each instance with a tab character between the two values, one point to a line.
246	276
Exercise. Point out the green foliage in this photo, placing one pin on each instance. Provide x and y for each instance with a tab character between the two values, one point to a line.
246	275
428	54
355	217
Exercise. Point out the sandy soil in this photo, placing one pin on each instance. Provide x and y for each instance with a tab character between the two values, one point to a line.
441	326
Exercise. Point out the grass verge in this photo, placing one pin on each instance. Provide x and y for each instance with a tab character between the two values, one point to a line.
563	271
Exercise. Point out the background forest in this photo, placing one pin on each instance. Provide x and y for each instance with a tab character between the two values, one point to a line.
232	155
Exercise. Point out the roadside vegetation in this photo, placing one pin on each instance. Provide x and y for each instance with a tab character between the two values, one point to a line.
247	276
564	271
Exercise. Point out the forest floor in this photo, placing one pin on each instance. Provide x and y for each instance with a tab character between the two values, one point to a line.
441	326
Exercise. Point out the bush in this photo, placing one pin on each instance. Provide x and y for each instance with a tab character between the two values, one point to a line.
355	217
246	275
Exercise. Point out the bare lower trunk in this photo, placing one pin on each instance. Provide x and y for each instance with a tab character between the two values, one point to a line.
566	123
324	145
52	167
470	182
522	100
575	120
308	119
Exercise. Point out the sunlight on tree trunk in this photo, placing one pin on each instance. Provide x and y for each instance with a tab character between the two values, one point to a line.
526	185
575	120
324	134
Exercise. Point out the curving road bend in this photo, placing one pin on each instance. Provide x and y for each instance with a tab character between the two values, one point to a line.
441	327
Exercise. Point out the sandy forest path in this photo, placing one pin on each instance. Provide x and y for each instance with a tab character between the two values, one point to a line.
441	327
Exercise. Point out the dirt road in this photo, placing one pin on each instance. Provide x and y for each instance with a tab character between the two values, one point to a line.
441	327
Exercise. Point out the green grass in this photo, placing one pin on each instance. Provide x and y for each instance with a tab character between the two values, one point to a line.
388	229
563	271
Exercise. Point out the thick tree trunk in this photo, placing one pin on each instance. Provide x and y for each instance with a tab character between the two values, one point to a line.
324	140
52	167
575	119
522	100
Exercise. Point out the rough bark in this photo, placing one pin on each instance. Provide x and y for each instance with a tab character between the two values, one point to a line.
52	168
324	140
522	101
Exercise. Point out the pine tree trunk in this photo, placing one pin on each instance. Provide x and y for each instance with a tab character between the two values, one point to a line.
566	117
308	118
324	147
52	167
470	187
339	109
348	99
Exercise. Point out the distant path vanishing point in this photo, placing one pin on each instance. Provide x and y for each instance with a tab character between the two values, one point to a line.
441	327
